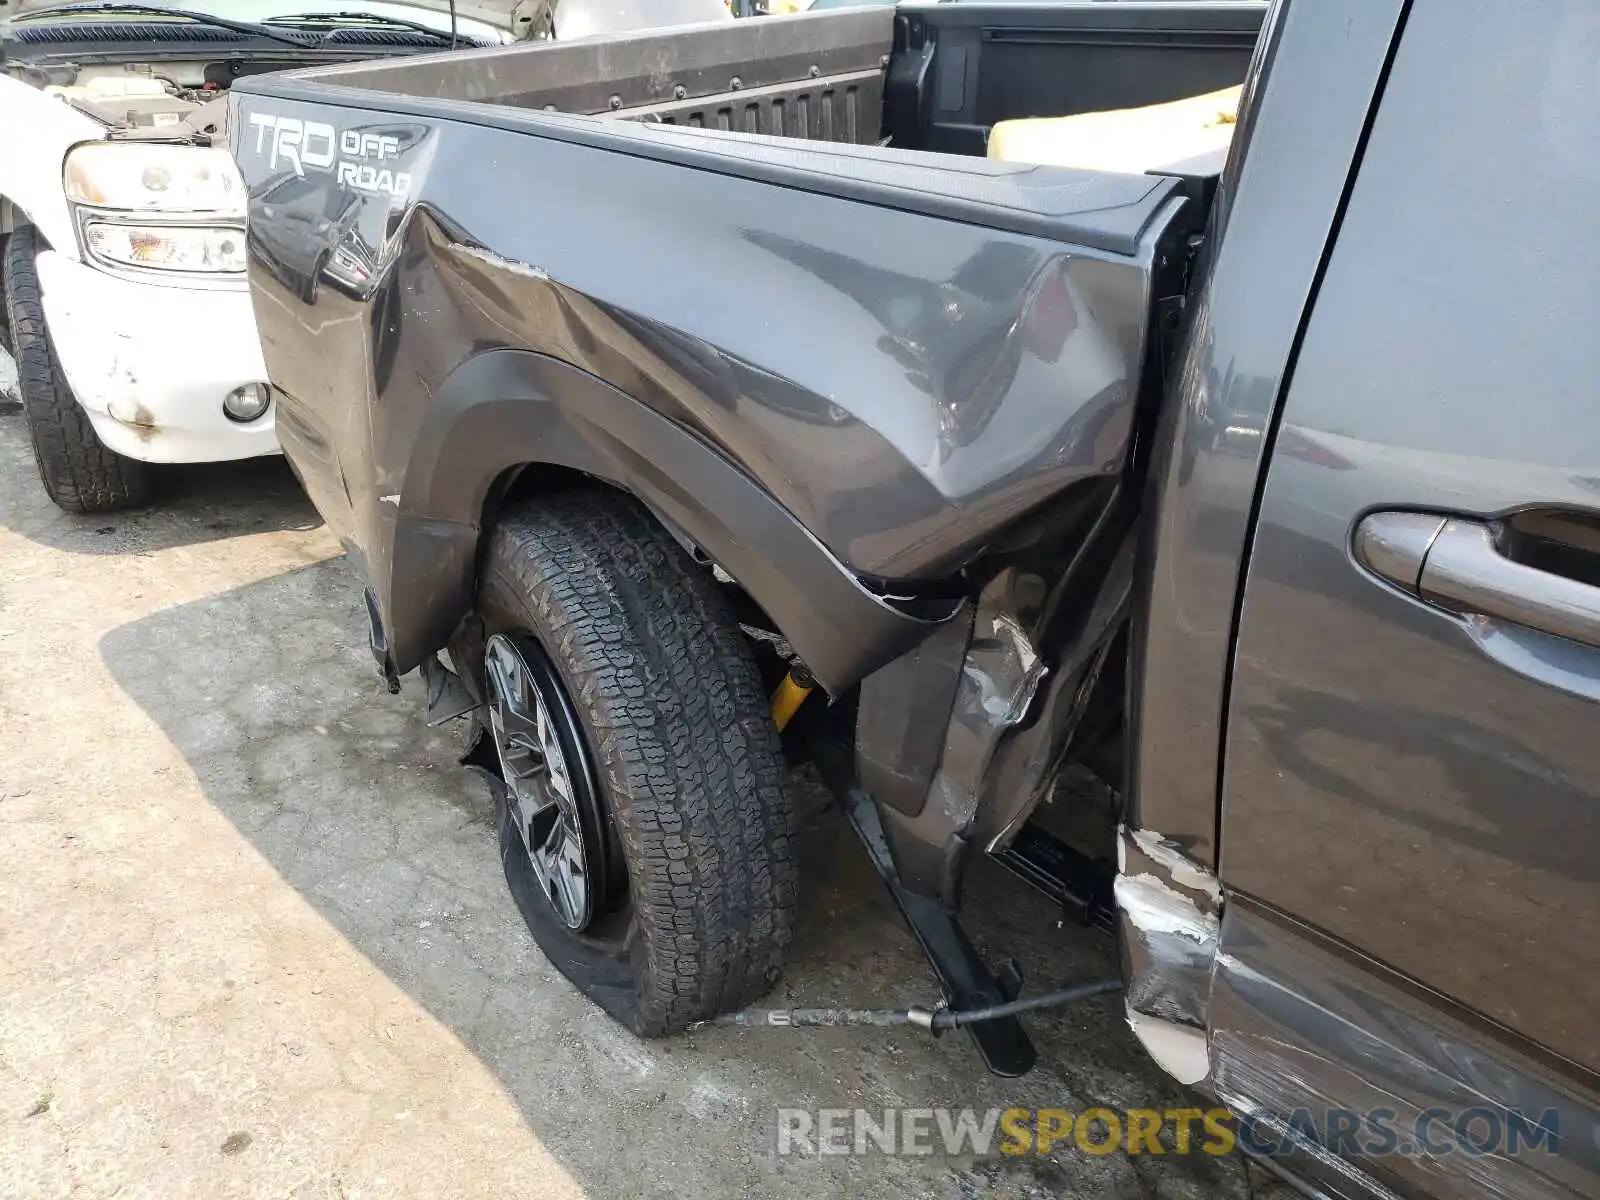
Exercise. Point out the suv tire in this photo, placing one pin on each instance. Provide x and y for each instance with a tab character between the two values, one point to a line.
78	472
669	756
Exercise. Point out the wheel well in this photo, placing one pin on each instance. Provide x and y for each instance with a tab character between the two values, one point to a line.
521	482
526	481
535	408
12	218
8	222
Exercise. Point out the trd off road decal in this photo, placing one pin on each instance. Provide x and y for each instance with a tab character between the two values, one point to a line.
354	157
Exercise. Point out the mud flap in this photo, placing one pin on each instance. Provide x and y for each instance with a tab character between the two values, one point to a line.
446	696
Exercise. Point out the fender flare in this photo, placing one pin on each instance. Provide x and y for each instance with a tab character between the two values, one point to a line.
506	408
40	132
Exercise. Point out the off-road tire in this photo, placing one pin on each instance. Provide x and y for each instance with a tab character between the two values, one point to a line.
78	472
687	761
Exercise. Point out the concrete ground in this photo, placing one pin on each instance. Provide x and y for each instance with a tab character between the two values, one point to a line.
254	939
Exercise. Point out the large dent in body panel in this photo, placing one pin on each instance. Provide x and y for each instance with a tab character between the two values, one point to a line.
999	386
904	385
998	677
1026	386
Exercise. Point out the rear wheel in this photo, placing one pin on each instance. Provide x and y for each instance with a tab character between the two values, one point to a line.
643	815
78	472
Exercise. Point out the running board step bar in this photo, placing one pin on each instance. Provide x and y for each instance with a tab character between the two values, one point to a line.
965	979
1081	885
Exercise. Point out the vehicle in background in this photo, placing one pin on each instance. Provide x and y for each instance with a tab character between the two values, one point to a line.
122	216
1204	526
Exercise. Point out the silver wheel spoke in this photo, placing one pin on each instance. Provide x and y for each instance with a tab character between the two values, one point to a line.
563	862
538	780
560	784
541	728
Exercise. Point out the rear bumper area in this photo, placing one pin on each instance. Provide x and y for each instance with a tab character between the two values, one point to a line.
150	364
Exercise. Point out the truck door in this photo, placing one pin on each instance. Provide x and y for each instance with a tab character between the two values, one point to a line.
1411	790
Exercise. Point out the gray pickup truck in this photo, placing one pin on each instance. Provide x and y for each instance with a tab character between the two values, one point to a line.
1153	445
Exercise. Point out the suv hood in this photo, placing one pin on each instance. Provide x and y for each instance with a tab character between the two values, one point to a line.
599	18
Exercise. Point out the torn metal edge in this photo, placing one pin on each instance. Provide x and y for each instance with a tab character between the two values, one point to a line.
1145	851
1169	910
1177	1049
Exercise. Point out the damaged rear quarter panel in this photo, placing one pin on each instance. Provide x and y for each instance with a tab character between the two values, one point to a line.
903	385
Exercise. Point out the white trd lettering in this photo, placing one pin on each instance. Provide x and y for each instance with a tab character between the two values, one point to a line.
286	143
263	124
317	145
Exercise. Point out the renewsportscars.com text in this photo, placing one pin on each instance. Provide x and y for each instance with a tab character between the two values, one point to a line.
1372	1133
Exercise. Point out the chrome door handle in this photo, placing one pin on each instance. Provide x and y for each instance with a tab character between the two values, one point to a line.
1455	564
1465	571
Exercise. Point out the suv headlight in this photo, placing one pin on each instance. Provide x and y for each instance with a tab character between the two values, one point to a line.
158	210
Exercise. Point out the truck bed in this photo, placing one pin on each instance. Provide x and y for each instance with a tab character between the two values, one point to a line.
819	76
896	347
925	76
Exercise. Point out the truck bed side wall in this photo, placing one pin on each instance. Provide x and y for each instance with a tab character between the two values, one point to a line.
900	383
907	353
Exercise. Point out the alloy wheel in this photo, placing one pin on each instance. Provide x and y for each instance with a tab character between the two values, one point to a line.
548	775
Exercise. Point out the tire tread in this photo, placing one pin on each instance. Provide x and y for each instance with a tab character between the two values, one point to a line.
683	740
79	473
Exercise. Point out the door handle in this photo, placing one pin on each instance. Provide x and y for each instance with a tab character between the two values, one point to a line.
1455	564
1466	572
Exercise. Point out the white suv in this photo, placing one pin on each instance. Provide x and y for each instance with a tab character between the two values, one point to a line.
122	220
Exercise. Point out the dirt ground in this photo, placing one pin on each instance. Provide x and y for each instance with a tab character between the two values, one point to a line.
254	939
